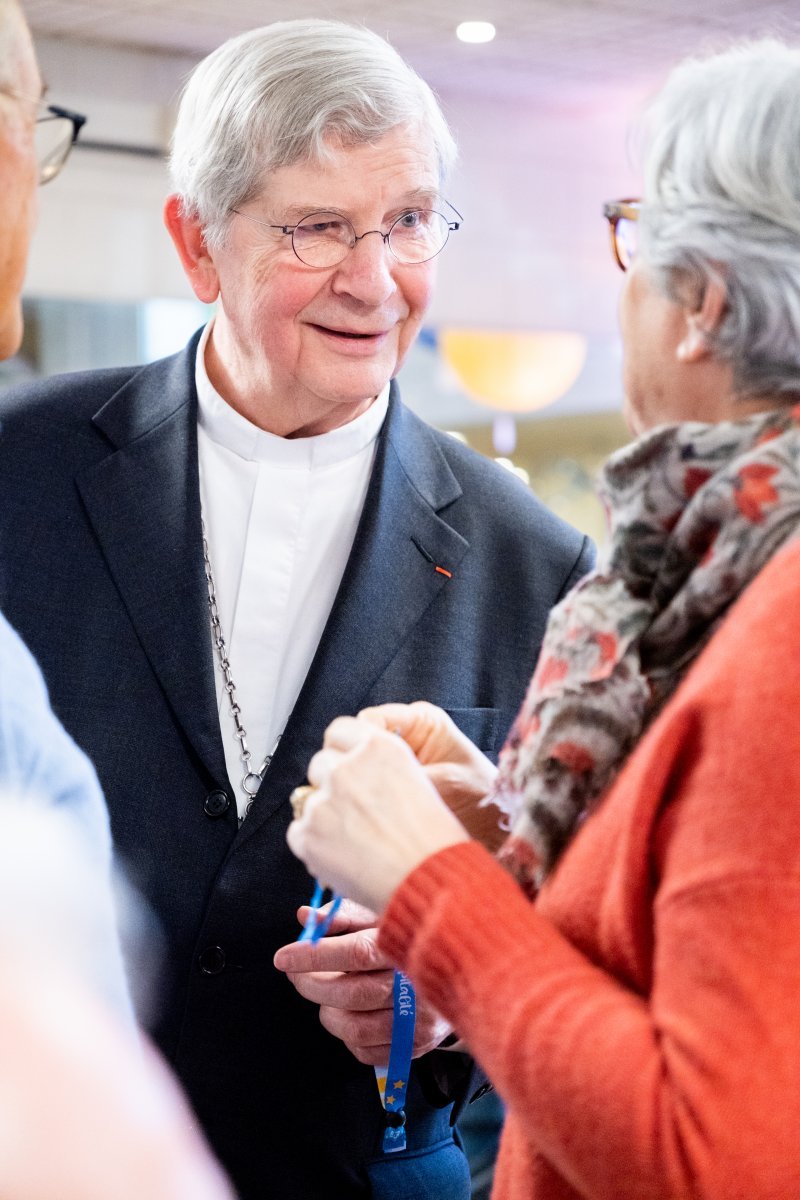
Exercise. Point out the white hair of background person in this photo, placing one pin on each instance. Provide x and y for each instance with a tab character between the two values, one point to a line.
271	97
722	200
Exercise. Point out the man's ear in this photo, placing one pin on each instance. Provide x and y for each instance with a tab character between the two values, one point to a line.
185	231
701	322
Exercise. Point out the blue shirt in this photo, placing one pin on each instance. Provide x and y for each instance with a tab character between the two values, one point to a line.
55	849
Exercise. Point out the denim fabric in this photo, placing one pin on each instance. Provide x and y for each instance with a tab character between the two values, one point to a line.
439	1171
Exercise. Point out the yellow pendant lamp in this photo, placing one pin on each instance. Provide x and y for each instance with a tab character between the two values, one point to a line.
513	371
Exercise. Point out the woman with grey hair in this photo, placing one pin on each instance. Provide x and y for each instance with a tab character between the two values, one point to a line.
639	1018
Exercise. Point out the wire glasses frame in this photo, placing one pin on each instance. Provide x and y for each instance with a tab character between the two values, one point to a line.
57	132
622	216
324	239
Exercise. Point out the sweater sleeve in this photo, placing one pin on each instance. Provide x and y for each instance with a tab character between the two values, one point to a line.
693	1094
689	1084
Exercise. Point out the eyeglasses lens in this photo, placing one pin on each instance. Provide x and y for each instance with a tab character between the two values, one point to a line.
418	236
626	239
54	137
324	239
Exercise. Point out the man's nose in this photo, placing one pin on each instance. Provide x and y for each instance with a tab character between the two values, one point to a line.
368	271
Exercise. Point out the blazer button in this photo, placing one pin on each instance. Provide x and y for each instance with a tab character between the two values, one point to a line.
212	960
216	804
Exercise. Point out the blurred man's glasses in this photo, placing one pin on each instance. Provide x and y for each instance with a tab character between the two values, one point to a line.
57	132
324	239
622	216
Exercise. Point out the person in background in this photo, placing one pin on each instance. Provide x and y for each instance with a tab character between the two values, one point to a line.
86	1111
640	1018
214	555
39	762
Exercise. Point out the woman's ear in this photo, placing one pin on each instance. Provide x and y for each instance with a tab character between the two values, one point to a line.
701	322
187	235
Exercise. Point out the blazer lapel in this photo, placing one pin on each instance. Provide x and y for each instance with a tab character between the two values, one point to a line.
390	580
143	501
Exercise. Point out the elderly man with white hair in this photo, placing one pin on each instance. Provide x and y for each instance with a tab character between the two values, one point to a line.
86	1111
39	762
225	550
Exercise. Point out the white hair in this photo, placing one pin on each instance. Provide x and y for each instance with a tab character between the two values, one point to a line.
722	200
279	95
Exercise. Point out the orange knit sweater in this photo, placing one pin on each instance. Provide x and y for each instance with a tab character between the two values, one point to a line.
642	1021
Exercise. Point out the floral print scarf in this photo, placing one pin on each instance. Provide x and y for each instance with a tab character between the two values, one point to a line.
695	511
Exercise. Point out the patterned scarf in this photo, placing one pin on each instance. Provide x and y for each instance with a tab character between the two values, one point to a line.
695	511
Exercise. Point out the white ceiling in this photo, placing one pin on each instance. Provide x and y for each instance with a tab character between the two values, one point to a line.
539	43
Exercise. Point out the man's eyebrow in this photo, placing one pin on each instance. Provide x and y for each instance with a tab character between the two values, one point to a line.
420	193
296	212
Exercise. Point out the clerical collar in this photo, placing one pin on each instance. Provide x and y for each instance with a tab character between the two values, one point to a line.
228	428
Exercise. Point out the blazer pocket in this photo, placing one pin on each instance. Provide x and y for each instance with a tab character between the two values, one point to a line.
485	727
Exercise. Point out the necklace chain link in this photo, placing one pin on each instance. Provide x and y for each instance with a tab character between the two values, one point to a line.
251	780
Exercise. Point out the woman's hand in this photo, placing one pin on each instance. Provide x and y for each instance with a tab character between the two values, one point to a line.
462	775
374	815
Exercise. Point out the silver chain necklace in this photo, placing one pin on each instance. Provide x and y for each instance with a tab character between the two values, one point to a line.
251	780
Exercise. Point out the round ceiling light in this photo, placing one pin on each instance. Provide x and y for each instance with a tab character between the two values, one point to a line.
475	31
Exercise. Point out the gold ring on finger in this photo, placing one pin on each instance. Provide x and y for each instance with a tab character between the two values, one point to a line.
298	799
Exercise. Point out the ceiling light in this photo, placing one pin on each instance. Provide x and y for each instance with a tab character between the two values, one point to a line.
475	31
512	370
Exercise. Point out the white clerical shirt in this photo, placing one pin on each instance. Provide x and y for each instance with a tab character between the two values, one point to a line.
280	517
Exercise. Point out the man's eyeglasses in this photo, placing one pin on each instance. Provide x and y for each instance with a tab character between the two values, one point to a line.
622	216
55	134
324	239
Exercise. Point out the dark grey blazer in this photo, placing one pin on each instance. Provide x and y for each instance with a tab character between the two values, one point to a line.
102	574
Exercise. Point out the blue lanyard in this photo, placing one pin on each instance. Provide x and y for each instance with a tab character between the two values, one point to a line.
393	1084
315	929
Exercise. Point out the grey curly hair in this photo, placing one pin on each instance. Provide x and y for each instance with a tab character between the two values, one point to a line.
722	200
